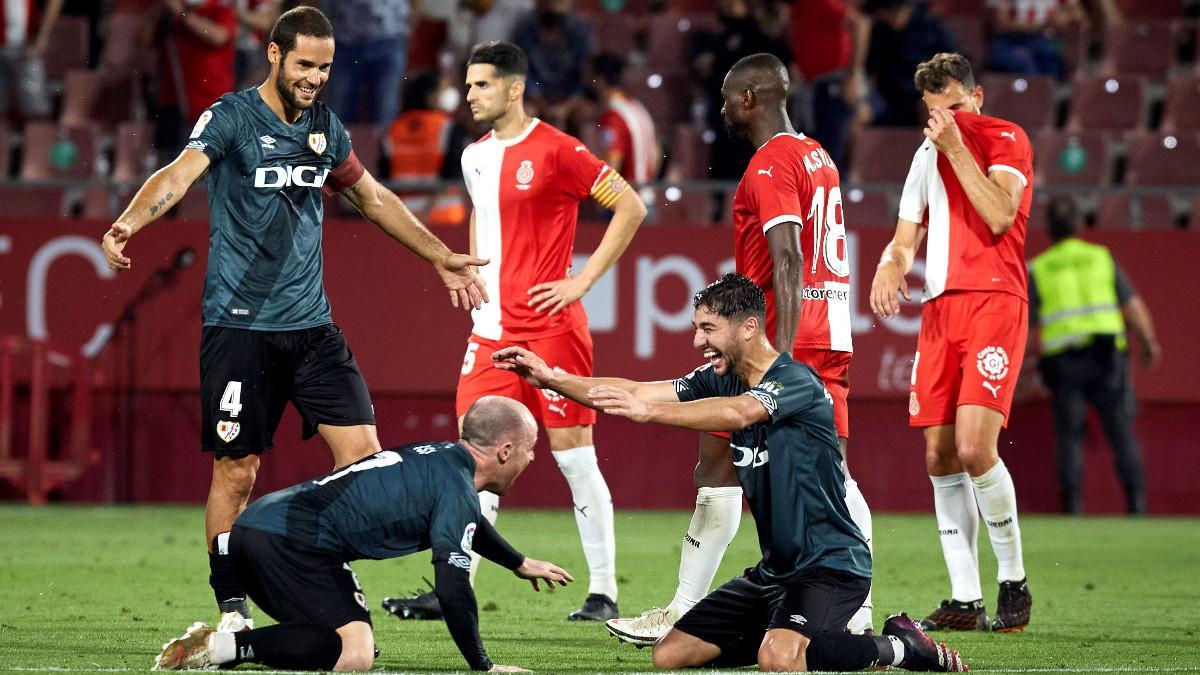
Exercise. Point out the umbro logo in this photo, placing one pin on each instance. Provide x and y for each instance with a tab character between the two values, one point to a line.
767	171
1010	135
798	619
267	142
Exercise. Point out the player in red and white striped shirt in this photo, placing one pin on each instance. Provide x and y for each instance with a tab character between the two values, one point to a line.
790	239
970	188
628	141
526	180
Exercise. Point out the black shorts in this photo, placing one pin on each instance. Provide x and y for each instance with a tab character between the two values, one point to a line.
736	616
294	583
248	376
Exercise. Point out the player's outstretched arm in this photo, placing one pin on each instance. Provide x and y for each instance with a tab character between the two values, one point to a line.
162	190
540	570
896	261
456	270
533	369
628	214
720	413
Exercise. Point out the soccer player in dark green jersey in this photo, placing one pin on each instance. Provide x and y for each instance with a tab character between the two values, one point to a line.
788	612
292	548
266	154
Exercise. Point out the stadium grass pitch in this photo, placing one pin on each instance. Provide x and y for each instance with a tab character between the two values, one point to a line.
98	589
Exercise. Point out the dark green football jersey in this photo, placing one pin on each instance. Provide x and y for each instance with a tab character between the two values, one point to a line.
264	192
790	471
393	503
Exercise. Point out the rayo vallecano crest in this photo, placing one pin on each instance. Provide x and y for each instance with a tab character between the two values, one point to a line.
228	430
317	142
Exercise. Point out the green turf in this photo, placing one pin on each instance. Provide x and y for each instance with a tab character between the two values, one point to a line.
95	589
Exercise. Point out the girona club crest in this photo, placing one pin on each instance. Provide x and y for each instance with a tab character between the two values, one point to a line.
992	362
524	174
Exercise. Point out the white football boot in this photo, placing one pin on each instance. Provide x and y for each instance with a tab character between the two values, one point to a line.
644	630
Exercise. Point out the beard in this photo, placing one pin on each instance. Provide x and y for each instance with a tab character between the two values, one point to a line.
285	92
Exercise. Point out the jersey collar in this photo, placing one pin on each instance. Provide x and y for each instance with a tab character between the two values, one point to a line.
798	136
520	137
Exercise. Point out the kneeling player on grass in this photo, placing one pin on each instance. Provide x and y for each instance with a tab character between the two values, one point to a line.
788	612
292	548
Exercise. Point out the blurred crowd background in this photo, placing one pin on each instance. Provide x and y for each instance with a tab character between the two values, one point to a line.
95	94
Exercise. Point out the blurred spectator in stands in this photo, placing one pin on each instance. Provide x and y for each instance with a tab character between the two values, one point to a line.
93	11
558	46
1025	39
197	54
628	142
496	19
25	34
713	54
419	141
831	36
372	55
255	18
902	36
1080	298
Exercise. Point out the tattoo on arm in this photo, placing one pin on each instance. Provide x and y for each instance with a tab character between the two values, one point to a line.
155	208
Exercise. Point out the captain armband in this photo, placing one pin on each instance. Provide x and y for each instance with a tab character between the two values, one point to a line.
608	188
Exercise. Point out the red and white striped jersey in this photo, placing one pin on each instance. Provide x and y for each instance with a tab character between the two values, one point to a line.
526	193
1036	12
626	128
792	179
961	253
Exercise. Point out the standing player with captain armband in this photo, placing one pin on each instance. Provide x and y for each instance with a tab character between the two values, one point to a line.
526	180
970	187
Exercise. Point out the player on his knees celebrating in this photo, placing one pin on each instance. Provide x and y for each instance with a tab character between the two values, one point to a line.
788	612
291	549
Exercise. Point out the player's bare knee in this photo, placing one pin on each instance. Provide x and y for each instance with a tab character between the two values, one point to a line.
668	657
977	456
358	651
783	656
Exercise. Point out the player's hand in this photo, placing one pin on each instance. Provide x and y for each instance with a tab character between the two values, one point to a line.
554	296
467	289
617	401
527	365
113	244
887	284
497	668
943	131
1150	353
535	570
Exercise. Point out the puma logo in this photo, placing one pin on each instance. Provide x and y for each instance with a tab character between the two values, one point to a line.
995	389
767	171
1010	135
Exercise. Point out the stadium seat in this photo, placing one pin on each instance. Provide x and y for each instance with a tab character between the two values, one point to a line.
30	200
1163	159
81	92
689	158
958	7
669	36
194	205
613	32
70	43
869	209
1027	100
970	31
5	151
1150	9
1106	103
367	143
883	154
78	152
1181	106
688	208
1091	168
1122	211
97	203
1147	47
1194	213
666	95
133	153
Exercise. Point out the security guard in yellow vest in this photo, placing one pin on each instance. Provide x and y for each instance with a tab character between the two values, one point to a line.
1080	298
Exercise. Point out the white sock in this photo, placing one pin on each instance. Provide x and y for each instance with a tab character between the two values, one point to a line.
998	504
714	524
222	647
860	513
593	516
958	525
489	506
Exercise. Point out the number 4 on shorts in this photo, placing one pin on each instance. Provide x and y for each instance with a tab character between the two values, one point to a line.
231	400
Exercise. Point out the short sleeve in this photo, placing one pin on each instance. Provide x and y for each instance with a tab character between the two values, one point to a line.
915	197
578	169
773	190
698	384
785	391
340	143
1011	151
215	131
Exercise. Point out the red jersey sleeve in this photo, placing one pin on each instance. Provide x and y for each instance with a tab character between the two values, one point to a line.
578	169
1009	150
774	183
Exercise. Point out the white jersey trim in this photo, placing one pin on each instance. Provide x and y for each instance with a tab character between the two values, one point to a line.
915	197
520	137
783	219
837	305
484	189
1009	169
